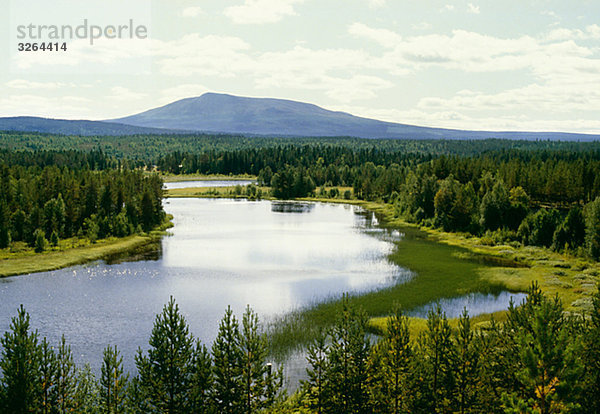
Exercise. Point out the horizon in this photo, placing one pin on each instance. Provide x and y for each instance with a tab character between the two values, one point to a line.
465	65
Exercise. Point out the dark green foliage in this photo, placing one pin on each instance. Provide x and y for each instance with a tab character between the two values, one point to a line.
40	241
495	206
113	383
571	232
71	201
347	368
227	366
20	364
166	371
66	379
538	229
591	359
592	229
316	387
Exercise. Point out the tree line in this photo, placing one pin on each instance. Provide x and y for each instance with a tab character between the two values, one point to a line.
42	203
177	374
540	359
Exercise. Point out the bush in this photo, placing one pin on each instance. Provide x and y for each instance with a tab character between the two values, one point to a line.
40	240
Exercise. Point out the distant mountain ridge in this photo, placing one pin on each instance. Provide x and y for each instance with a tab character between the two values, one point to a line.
229	114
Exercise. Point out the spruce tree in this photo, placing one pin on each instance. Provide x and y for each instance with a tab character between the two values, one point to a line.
20	364
228	389
113	383
165	372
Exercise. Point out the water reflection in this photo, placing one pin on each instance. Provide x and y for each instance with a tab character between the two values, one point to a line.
476	304
222	252
291	207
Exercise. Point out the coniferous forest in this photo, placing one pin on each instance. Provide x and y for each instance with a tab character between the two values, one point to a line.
539	359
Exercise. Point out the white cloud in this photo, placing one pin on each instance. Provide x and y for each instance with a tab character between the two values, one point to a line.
261	11
447	7
65	107
25	84
590	32
191	12
120	93
421	26
471	8
384	37
376	3
182	91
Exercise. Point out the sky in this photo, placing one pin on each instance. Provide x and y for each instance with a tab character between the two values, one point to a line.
530	65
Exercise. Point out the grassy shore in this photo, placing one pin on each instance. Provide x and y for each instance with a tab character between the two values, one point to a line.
170	178
73	251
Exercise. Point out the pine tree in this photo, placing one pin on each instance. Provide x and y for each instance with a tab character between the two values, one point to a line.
113	383
227	366
201	381
439	350
20	364
254	368
591	359
86	394
164	373
316	386
397	355
66	380
466	364
48	374
348	355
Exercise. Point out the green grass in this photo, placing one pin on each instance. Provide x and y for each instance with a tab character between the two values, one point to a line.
74	251
170	178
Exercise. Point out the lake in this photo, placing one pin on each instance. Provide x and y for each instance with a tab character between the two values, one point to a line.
274	256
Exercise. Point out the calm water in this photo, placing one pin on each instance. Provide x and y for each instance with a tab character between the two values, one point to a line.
275	256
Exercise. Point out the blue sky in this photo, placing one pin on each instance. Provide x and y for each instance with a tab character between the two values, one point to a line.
493	65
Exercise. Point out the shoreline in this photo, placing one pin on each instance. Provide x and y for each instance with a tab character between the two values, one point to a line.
104	249
513	268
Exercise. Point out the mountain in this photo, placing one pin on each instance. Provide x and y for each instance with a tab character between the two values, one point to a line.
213	112
78	127
221	113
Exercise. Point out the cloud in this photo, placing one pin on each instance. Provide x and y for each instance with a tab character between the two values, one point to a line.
65	107
186	90
384	37
591	32
447	7
261	11
376	3
25	84
473	9
191	12
421	26
120	93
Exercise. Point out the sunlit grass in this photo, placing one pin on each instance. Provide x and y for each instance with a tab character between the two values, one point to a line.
21	259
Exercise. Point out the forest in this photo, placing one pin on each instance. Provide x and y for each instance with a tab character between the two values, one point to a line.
48	196
538	359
